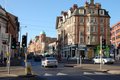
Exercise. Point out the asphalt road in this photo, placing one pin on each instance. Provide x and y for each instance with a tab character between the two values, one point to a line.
66	73
70	73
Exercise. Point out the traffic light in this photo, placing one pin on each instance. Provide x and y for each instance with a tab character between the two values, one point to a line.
103	43
24	41
13	43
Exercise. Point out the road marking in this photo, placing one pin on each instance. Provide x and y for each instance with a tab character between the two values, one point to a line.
47	74
88	73
94	73
99	73
61	74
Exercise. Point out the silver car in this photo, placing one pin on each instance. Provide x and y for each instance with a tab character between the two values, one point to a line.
103	60
49	61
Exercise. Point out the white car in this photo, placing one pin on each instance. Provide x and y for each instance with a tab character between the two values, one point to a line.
49	61
103	60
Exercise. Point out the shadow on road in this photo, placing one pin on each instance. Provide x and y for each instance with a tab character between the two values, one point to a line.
23	77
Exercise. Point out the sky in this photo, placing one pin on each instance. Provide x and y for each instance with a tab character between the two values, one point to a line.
36	16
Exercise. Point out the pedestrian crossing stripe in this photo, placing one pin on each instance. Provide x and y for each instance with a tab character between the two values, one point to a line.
87	73
94	73
58	74
61	74
64	74
47	74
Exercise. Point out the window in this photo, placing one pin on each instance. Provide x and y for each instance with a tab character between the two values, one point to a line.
93	20
101	12
81	40
117	31
81	11
88	29
81	33
102	29
118	37
93	29
101	20
88	37
92	38
87	19
81	20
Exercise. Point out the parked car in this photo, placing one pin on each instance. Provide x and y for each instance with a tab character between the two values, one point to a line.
103	60
49	61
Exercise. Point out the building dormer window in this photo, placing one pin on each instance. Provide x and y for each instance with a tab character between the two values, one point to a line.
101	12
81	11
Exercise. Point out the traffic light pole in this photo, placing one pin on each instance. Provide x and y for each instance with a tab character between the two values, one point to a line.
100	52
25	49
27	64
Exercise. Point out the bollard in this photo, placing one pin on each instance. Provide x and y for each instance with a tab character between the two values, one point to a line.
28	69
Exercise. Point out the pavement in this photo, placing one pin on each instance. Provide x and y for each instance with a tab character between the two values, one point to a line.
17	73
88	65
14	71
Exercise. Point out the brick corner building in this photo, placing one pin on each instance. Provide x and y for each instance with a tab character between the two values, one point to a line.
80	29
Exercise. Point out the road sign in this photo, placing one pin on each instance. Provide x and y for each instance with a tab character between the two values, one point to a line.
81	47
